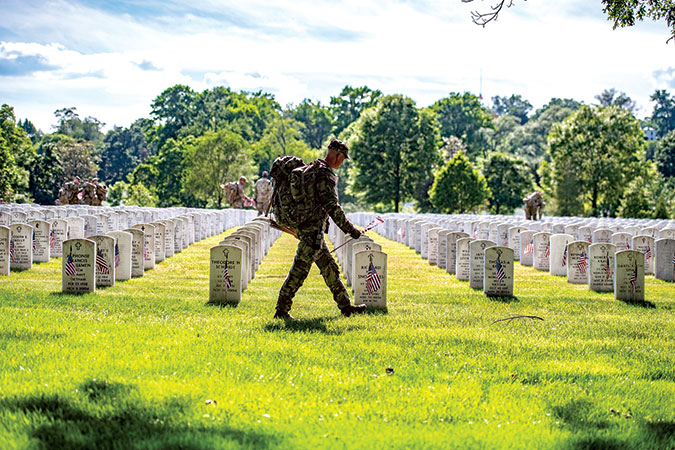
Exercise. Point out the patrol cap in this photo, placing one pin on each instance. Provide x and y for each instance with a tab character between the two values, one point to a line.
242	178
339	146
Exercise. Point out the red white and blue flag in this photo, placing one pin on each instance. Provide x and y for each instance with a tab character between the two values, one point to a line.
633	279
530	247
101	264
12	255
499	269
117	255
608	269
146	253
564	258
34	244
583	262
52	239
71	270
548	250
648	253
226	277
372	279
376	221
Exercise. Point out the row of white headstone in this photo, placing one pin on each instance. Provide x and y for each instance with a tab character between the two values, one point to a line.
610	258
364	265
236	259
111	253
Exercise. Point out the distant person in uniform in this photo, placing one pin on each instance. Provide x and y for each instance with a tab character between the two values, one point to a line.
101	193
88	192
234	193
312	248
262	193
73	193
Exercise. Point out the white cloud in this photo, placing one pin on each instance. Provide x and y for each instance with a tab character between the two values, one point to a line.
426	49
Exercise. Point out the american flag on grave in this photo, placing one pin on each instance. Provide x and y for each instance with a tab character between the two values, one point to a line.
376	221
52	238
648	253
564	258
583	262
633	279
101	264
608	269
548	250
506	241
34	243
117	255
146	253
12	254
71	270
372	279
530	247
226	276
499	270
674	259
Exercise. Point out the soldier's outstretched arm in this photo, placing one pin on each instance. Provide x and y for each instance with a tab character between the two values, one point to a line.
327	195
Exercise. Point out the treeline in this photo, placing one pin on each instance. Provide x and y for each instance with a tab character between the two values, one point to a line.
456	155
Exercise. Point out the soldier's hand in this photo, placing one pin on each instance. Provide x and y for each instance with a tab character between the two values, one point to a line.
355	234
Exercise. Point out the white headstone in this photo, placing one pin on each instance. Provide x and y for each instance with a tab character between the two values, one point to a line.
664	267
58	232
498	272
75	227
21	246
527	247
78	273
105	260
137	256
622	241
462	265
225	275
451	250
645	244
160	242
370	279
629	276
577	262
477	262
122	254
559	257
542	251
602	235
601	267
4	250
5	219
40	240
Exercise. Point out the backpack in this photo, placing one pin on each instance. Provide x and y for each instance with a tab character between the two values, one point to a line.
292	193
230	192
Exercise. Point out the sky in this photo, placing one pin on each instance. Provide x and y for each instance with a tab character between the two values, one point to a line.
110	59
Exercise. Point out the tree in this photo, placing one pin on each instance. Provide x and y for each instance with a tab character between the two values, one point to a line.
509	179
316	120
46	176
70	124
78	157
348	106
611	97
595	152
463	116
663	116
282	137
665	155
20	149
174	109
459	187
623	13
394	150
514	105
8	170
214	159
123	149
31	131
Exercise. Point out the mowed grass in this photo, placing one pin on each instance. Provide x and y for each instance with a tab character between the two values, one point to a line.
147	364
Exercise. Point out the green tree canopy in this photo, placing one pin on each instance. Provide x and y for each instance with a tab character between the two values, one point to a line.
214	159
46	176
70	124
663	116
611	97
509	180
459	187
515	105
282	137
595	153
463	116
665	155
348	106
394	150
19	147
123	149
316	121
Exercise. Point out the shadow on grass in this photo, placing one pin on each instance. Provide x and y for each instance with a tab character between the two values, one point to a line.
377	310
503	298
314	325
223	305
113	416
640	303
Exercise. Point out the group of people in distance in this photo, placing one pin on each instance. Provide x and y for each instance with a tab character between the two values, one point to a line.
84	192
312	247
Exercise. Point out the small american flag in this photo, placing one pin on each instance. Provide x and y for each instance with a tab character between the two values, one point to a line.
376	221
401	232
71	270
564	258
226	277
499	268
530	247
52	239
633	279
648	253
101	264
674	259
608	269
548	250
146	253
475	233
117	255
34	242
583	261
506	242
12	255
372	280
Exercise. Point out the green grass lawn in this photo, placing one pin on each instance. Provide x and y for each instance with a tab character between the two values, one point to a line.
147	364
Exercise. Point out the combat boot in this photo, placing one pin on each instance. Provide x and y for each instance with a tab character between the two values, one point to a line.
283	315
353	309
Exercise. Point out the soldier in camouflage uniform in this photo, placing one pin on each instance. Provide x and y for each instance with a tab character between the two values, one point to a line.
101	192
262	194
88	192
312	247
237	197
73	191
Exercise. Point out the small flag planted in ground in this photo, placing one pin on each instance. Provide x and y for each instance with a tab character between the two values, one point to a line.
530	247
376	221
71	270
117	255
583	261
648	253
608	269
101	264
34	242
548	250
633	279
226	277
372	279
52	239
499	268
12	254
564	258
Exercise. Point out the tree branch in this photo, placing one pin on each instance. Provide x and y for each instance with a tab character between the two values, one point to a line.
483	19
517	317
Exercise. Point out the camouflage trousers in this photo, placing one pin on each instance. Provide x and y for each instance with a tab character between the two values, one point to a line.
312	248
261	206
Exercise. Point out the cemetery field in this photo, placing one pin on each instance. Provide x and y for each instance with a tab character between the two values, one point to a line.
147	364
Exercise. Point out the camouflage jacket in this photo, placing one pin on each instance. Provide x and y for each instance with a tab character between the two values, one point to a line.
326	199
263	190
